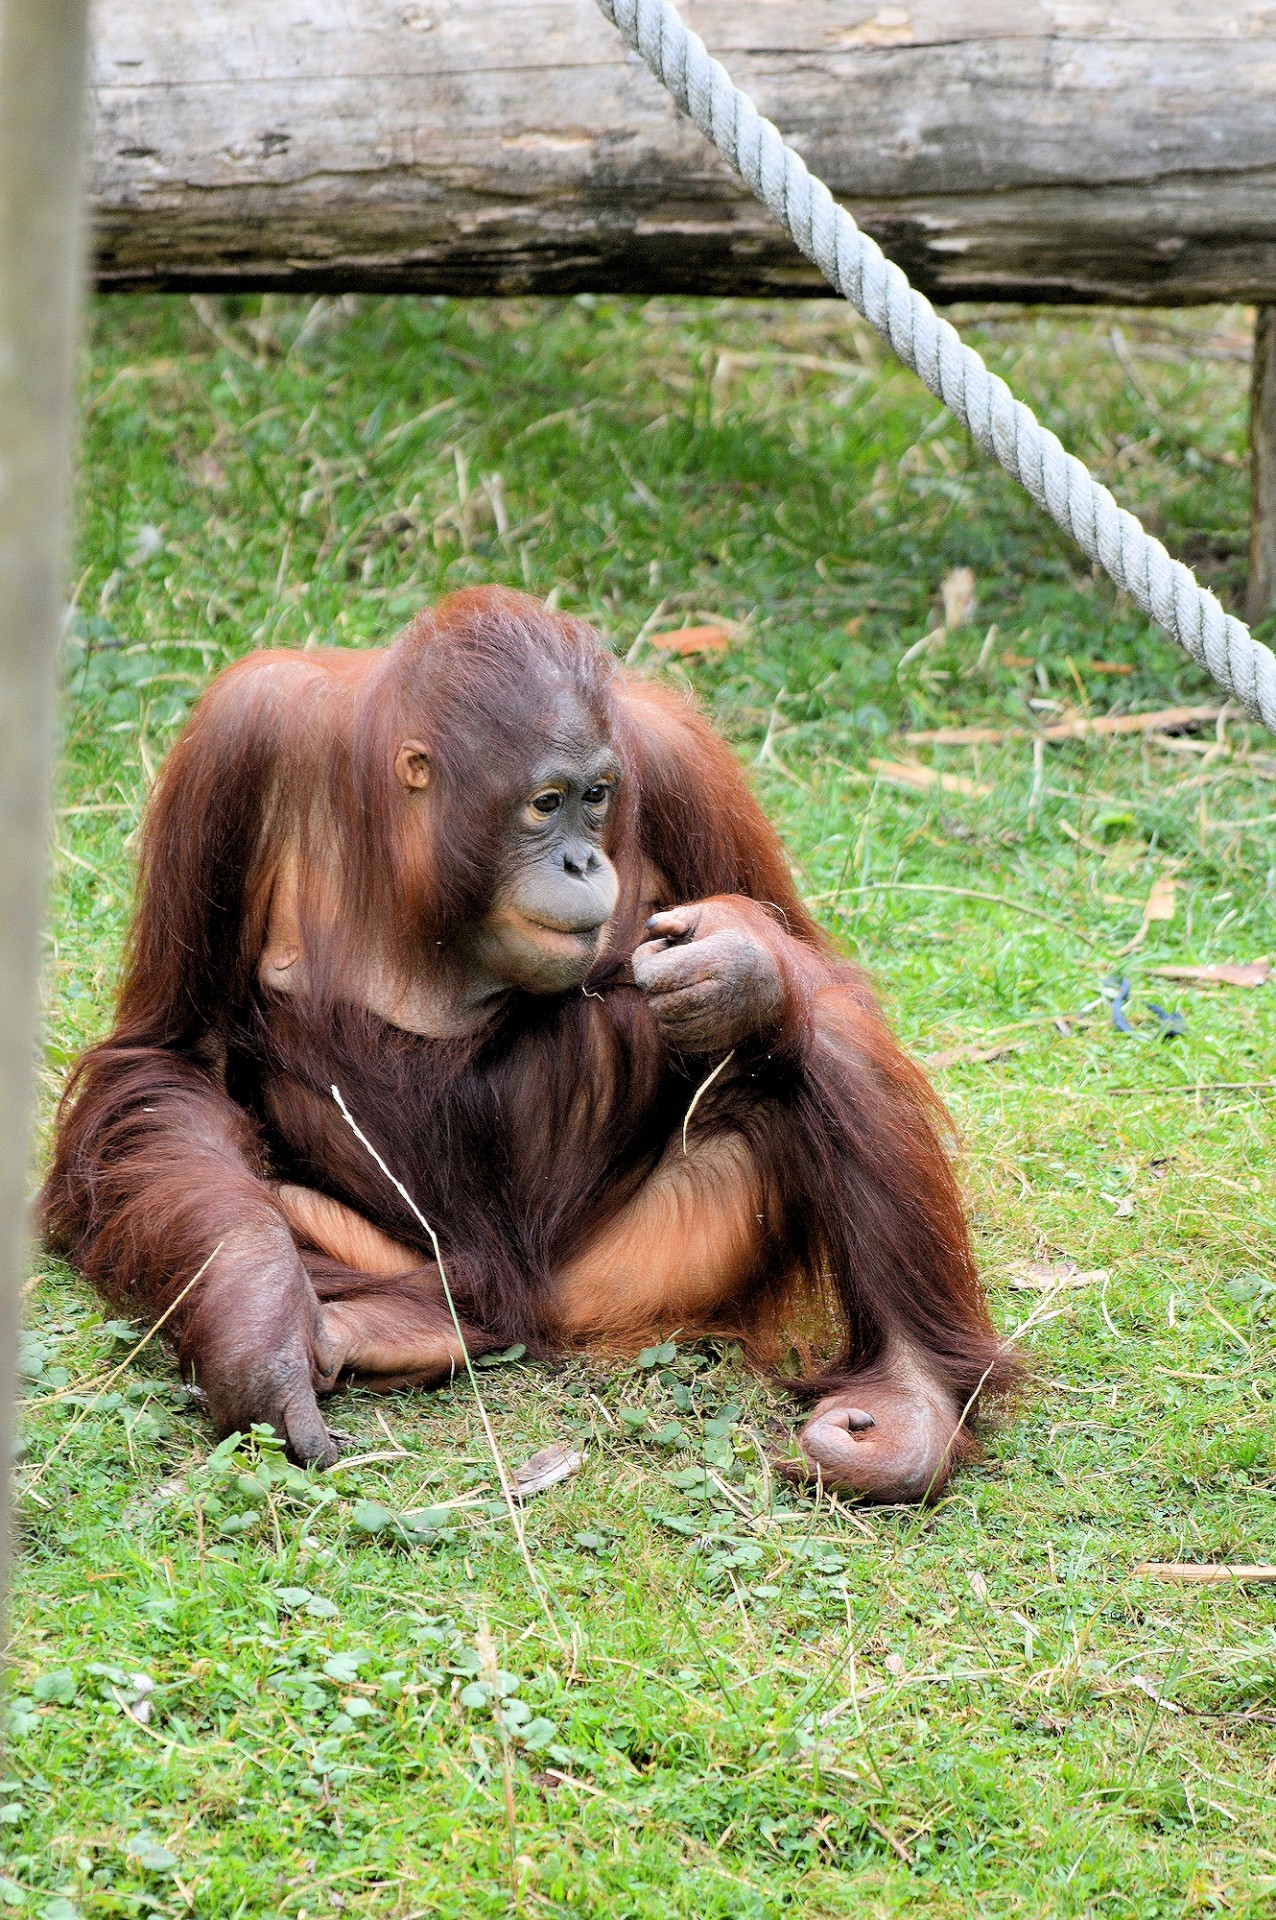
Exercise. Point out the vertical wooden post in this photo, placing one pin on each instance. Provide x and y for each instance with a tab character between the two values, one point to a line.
1261	591
42	111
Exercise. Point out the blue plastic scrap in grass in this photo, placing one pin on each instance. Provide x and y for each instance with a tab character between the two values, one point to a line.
1119	991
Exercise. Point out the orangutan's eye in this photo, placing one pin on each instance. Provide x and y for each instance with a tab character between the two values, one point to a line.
548	802
596	795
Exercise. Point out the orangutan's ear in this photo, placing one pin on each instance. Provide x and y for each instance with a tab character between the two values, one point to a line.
412	765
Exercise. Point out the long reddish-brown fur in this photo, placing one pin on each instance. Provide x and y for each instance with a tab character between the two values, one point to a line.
519	1143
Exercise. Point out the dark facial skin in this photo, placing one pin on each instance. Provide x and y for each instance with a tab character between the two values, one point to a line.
558	889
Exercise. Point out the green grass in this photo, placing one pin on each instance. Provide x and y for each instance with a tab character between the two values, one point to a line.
763	1706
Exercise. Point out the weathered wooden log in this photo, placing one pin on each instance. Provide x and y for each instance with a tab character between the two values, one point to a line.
1092	150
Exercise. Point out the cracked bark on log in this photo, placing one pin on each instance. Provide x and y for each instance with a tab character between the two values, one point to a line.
1072	150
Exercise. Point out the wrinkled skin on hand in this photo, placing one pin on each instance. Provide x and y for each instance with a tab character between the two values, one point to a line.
264	1351
711	975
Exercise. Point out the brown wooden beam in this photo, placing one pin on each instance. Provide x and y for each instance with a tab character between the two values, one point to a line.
1261	590
42	71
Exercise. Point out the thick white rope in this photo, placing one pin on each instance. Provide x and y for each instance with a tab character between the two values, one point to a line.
955	374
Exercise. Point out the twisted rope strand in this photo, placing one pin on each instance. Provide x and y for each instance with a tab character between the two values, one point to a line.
954	373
